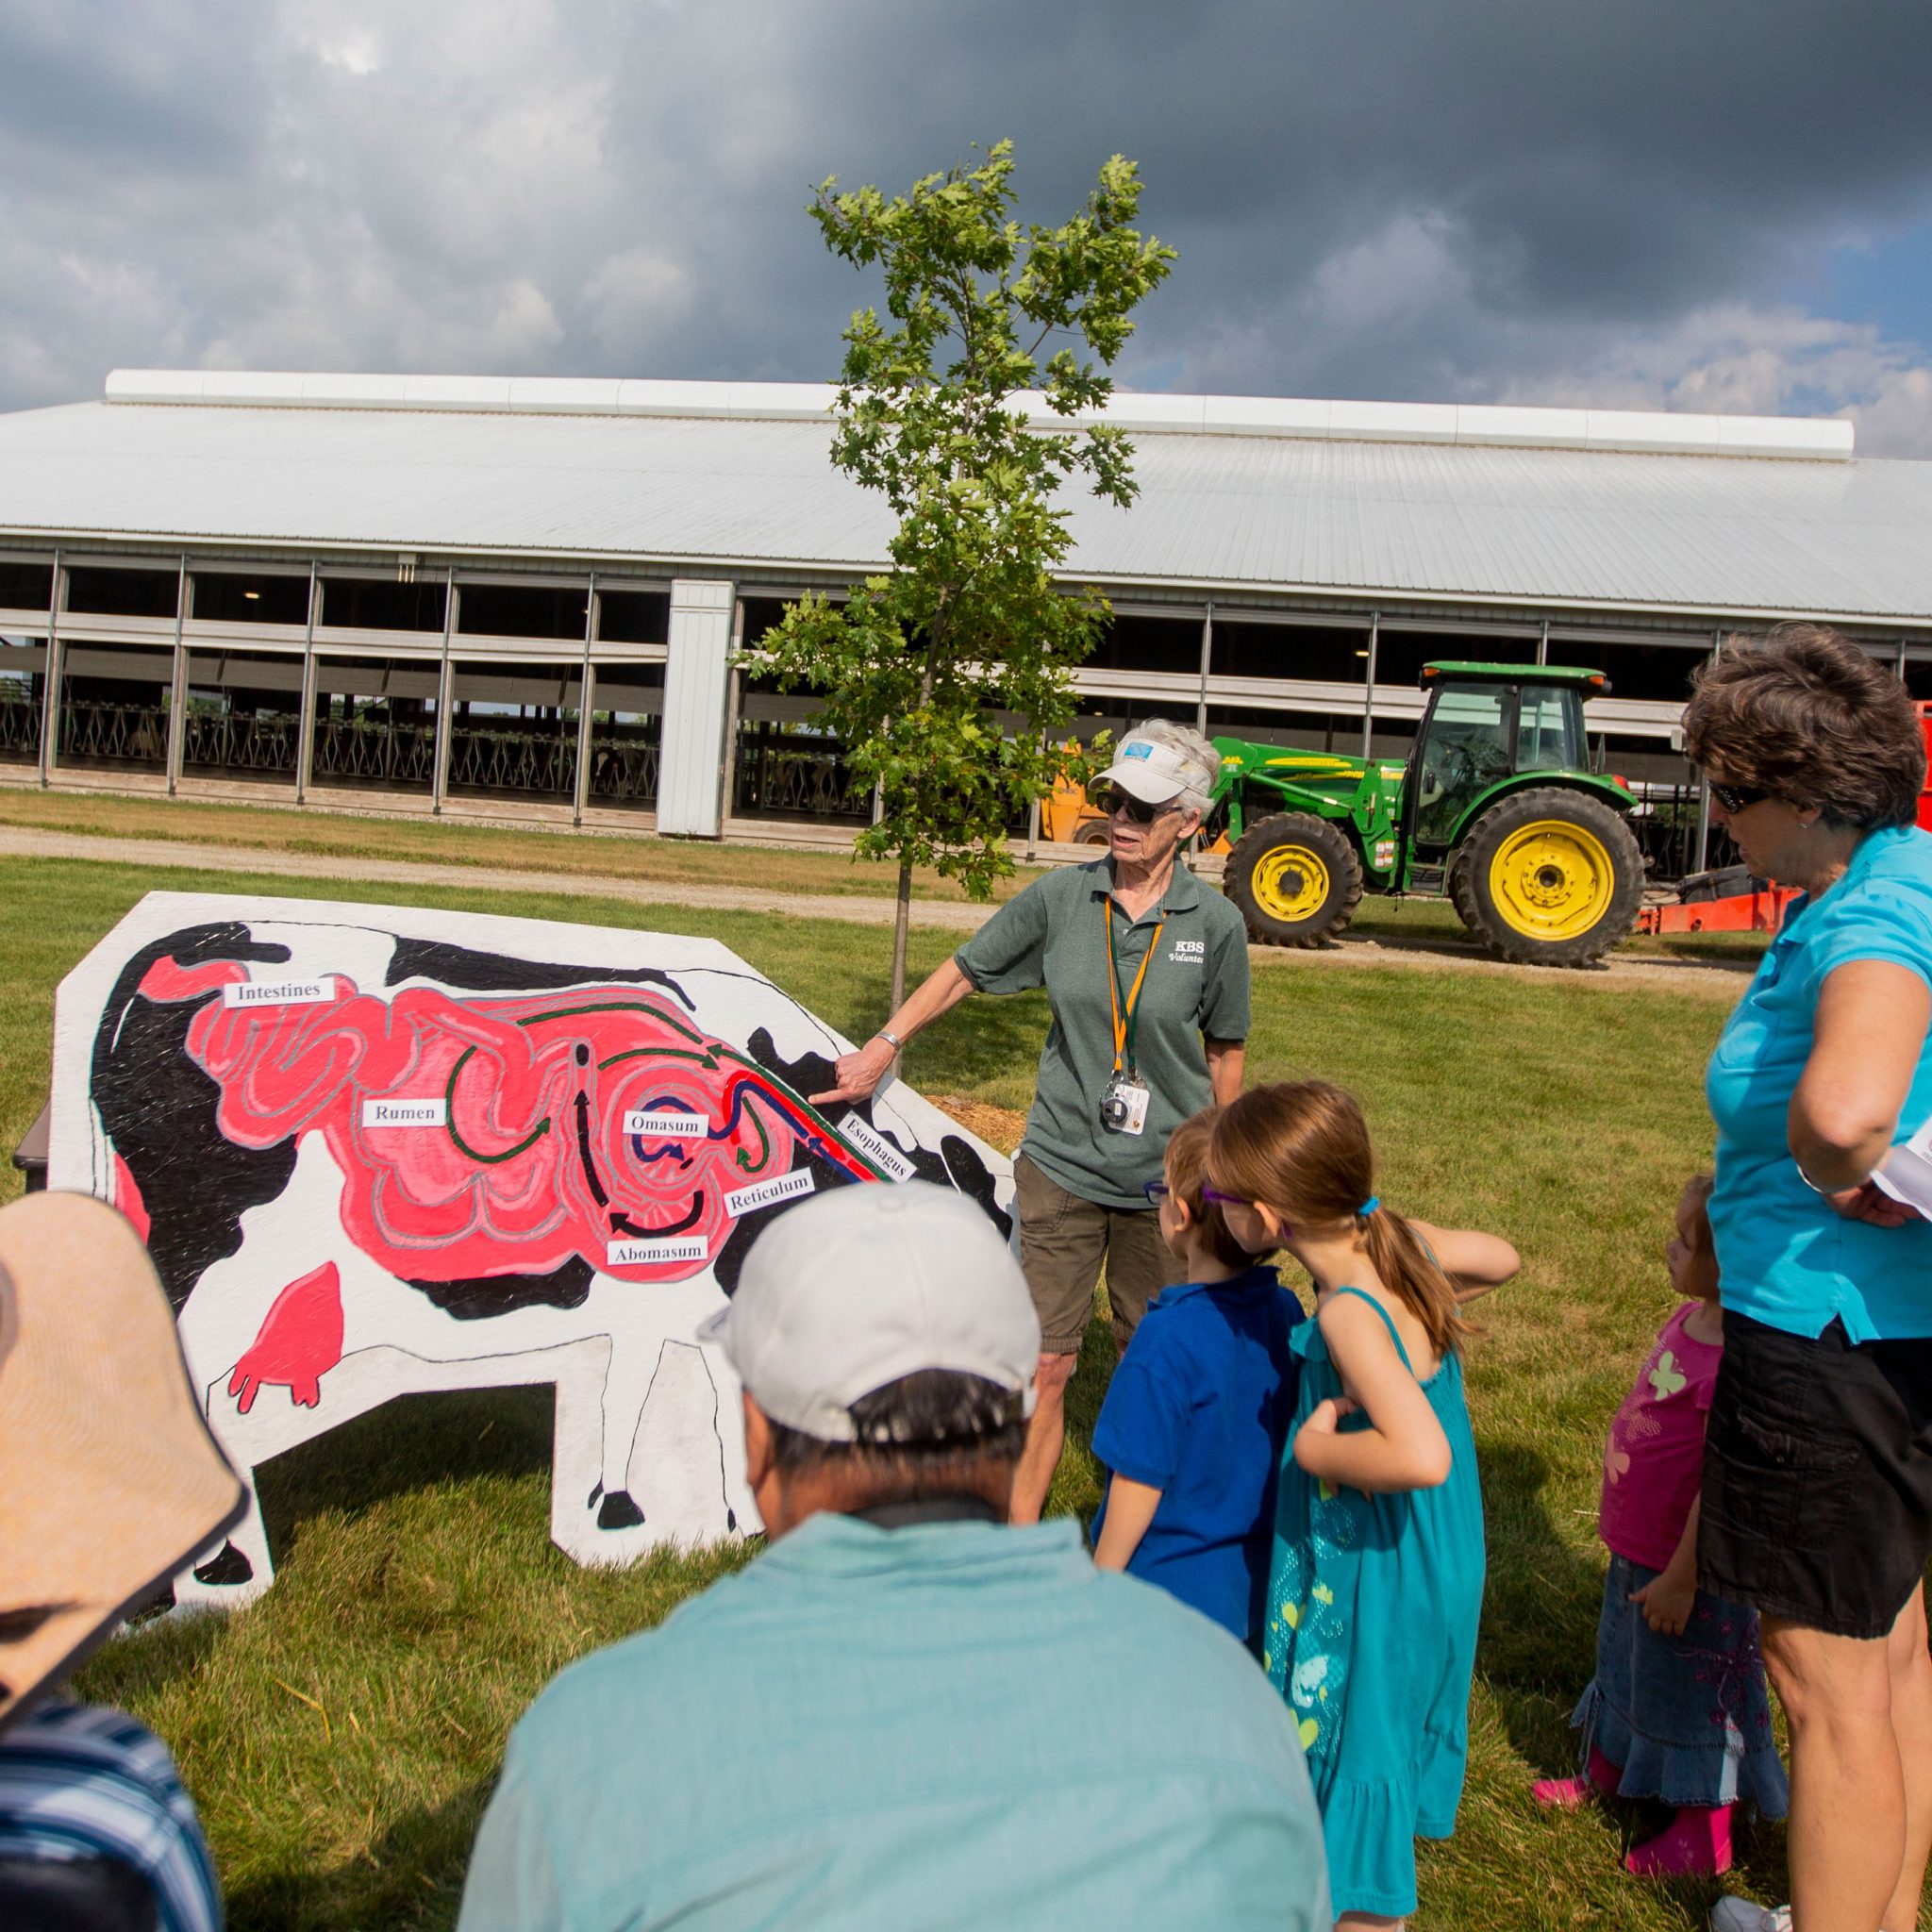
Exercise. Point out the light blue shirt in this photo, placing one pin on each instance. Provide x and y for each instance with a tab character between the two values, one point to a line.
953	1724
1784	1256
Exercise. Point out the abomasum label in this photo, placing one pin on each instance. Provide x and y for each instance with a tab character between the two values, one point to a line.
632	1254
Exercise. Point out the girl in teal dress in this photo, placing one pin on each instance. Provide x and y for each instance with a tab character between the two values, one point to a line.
1376	1583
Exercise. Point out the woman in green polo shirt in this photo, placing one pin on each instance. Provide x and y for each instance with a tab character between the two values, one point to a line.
1817	1499
1146	973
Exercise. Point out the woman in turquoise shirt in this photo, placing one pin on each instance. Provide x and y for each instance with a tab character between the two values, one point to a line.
1817	1494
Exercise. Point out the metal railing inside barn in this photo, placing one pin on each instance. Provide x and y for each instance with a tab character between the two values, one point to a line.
785	774
20	726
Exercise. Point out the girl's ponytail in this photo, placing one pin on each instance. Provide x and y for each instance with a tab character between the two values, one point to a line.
1403	1260
1301	1147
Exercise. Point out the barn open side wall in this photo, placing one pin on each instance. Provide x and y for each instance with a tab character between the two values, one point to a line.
572	697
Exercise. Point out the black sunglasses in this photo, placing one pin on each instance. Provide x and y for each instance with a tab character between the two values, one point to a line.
1114	800
1735	798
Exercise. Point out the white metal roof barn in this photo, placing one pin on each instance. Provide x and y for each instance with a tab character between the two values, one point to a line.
526	592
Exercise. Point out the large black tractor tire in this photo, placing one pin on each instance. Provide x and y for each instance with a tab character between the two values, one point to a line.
1548	877
1296	880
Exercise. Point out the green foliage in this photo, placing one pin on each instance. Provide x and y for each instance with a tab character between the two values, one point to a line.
920	667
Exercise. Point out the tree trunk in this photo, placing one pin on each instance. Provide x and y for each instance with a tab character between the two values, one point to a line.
902	917
902	921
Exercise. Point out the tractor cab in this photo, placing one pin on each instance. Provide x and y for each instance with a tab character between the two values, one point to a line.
1486	724
1497	809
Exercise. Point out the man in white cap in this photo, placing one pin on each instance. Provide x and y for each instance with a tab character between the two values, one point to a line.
906	1712
1147	973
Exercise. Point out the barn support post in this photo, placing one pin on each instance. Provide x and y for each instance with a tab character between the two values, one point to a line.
177	682
50	678
580	791
305	715
1717	646
445	684
1369	689
1207	661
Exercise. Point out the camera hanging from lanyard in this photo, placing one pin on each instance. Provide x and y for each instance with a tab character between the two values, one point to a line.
1123	1104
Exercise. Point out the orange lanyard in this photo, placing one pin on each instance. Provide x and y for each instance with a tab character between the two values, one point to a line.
1124	1028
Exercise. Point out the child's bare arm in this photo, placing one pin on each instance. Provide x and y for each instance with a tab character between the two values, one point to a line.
1474	1261
1130	1508
1404	1446
1670	1596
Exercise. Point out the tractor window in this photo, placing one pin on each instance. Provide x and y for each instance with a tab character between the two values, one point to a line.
1466	749
1548	737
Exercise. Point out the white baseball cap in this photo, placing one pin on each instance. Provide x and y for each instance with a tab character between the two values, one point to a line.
1154	771
852	1290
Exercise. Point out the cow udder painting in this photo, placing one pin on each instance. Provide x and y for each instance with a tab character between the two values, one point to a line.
375	1150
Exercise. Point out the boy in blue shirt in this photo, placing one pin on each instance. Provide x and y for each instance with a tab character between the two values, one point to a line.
1193	1424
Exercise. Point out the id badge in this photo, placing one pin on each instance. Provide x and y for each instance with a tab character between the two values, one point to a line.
1124	1107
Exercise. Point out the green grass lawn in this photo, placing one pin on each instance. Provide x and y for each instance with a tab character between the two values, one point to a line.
451	841
575	856
340	1737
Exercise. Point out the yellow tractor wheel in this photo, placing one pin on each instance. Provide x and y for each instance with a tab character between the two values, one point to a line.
1296	880
1550	876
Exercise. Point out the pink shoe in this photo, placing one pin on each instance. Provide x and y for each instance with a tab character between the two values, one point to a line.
1601	1778
1562	1794
1695	1844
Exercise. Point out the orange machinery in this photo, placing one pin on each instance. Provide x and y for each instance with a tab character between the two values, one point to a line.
1926	796
1759	908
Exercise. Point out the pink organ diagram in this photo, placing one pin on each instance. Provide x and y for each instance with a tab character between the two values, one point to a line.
525	1131
375	1150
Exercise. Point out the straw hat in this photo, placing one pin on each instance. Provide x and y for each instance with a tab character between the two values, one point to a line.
110	1480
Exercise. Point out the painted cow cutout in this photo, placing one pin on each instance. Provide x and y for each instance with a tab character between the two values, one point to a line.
375	1151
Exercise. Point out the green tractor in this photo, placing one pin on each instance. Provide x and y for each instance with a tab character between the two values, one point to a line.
1496	808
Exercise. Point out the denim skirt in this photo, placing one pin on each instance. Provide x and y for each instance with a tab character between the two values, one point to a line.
1685	1719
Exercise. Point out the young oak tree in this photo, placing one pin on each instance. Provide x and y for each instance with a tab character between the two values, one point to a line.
934	413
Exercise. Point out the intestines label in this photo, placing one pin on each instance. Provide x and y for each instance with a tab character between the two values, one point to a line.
277	993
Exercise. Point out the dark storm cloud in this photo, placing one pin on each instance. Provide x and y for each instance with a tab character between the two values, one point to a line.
93	88
1393	199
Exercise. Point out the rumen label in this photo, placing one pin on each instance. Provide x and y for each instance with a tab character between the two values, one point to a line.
405	1113
781	1187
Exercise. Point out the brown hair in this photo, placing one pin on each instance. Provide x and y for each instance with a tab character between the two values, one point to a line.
1187	1174
1699	1188
1810	717
1301	1147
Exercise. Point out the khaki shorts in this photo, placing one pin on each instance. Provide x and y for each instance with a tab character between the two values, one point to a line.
1063	1242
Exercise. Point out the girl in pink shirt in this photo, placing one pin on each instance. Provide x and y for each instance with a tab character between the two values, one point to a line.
1677	1710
